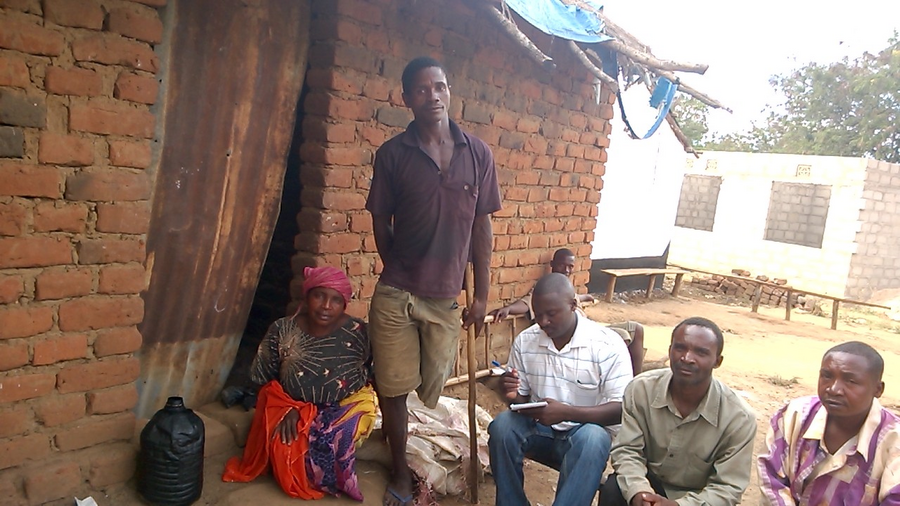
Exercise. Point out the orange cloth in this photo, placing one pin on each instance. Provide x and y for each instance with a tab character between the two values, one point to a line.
264	447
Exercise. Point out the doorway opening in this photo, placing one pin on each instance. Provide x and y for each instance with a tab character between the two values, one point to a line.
273	294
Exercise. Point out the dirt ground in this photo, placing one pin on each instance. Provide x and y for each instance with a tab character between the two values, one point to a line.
767	359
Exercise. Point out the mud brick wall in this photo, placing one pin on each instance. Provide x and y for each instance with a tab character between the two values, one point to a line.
77	84
548	134
697	203
876	263
797	213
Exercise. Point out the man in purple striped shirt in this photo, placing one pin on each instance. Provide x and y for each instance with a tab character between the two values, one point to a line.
840	447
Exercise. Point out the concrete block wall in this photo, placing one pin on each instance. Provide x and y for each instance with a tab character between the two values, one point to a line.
797	213
697	203
876	263
548	135
77	85
737	239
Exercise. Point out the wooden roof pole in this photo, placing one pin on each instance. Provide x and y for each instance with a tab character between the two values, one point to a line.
605	79
706	99
652	62
513	31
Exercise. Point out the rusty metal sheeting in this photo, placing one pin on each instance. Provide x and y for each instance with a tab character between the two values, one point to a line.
235	70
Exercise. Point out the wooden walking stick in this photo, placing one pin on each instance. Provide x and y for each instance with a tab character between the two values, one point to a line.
470	372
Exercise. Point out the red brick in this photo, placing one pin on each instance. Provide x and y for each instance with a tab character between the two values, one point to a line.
319	221
105	251
135	88
91	313
60	349
316	129
12	356
124	218
132	23
10	480
115	463
14	72
95	430
106	185
63	283
117	341
111	120
122	279
11	288
115	50
30	38
74	81
343	80
129	153
374	136
97	375
13	217
59	149
59	409
14	452
19	180
151	3
361	223
59	216
347	156
112	400
34	252
359	10
334	200
15	420
331	243
24	321
25	386
49	482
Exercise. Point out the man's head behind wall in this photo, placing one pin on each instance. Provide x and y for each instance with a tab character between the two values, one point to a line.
695	350
563	262
850	377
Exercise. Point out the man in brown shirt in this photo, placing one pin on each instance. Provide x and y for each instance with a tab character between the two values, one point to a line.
433	191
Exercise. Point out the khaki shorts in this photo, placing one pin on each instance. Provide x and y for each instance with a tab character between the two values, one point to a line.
414	342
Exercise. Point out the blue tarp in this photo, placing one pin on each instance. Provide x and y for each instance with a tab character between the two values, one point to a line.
556	18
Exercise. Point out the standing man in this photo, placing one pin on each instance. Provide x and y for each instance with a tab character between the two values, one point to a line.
686	438
839	447
580	368
433	191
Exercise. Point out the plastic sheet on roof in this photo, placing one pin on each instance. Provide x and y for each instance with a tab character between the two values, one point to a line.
553	17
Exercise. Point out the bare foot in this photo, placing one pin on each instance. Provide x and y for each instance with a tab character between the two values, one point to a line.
399	491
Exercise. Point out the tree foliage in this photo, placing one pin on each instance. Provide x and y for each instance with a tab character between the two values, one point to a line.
691	115
847	108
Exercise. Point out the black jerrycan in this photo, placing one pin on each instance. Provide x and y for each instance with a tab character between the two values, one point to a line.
170	464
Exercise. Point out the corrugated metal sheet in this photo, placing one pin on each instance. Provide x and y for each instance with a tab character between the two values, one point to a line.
233	79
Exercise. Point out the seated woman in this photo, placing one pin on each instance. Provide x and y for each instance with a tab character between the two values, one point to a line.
317	403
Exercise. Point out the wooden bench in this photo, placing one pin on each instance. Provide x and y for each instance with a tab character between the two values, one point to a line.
614	274
790	292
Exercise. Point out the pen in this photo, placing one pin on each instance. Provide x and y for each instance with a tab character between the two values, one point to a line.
498	364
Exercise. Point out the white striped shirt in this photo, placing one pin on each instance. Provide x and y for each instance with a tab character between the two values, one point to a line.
592	369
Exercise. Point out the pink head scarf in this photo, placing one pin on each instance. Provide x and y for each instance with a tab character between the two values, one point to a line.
327	277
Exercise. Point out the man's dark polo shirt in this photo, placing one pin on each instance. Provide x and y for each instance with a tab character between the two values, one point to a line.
433	211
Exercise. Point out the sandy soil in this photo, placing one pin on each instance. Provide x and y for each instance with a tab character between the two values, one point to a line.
767	359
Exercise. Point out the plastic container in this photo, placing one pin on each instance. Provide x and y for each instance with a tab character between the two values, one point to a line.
170	463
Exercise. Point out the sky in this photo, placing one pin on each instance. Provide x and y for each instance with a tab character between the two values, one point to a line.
745	43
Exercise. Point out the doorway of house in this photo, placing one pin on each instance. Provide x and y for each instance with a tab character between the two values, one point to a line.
273	294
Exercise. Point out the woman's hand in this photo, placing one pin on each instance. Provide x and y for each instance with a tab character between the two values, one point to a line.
287	427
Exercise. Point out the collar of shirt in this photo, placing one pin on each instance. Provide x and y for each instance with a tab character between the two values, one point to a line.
580	339
816	430
411	136
708	408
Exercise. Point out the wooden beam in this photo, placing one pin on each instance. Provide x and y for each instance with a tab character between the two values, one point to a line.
582	57
513	31
835	307
706	99
685	142
653	62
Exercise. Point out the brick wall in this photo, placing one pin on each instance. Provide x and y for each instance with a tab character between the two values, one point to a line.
876	263
77	81
548	135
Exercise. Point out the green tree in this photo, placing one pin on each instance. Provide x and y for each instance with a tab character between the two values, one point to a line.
847	108
691	115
